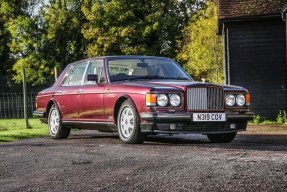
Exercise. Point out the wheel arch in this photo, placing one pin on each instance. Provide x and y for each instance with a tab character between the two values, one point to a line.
49	105
118	104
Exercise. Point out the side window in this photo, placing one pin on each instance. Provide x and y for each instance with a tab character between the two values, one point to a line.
95	67
76	76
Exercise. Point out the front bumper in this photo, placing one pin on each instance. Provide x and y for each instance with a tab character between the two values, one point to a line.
41	115
153	122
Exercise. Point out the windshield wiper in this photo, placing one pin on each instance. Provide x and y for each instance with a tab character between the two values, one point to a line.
114	80
177	78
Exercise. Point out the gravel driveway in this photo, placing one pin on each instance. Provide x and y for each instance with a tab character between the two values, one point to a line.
94	161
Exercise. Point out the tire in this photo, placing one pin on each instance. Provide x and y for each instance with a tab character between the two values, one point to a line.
128	124
56	129
222	137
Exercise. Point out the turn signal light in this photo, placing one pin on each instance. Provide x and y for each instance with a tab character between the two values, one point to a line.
247	97
36	103
150	99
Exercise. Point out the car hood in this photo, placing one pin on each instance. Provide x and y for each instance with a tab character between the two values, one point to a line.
179	84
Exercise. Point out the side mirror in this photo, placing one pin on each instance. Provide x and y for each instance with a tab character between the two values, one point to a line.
93	77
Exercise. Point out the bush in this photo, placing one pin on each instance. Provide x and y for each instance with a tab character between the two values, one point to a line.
281	118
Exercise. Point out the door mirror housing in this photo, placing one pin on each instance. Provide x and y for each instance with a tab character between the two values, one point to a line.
93	77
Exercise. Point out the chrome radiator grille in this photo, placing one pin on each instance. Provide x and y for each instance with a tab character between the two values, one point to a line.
205	98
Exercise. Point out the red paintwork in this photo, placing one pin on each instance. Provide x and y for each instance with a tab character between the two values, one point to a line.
91	103
67	102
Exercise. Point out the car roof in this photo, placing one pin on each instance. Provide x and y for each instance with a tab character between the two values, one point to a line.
129	57
122	57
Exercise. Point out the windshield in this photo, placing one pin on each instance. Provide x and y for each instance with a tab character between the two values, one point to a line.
137	69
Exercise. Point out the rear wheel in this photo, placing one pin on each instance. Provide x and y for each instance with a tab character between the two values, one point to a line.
128	124
222	137
56	129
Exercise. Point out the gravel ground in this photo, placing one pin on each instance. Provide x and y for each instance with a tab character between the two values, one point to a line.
94	161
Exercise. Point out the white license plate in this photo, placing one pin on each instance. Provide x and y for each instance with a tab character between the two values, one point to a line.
209	117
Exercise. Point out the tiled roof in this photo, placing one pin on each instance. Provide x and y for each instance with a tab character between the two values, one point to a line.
229	9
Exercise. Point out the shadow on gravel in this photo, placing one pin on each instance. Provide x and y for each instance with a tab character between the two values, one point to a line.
245	142
174	140
242	141
95	137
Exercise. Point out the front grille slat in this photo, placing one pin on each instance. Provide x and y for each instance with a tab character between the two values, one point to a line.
205	98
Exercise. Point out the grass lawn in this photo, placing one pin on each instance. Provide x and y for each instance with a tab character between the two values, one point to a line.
14	129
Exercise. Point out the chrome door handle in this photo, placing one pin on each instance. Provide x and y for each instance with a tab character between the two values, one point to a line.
59	91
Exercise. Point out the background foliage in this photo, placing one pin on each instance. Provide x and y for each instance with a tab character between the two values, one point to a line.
39	35
202	48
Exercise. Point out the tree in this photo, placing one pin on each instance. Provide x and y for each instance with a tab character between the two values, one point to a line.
63	22
48	37
9	11
44	34
201	52
119	27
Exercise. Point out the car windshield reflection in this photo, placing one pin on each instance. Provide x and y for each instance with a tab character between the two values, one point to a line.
142	69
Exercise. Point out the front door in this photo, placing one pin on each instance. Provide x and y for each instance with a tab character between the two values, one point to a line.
91	106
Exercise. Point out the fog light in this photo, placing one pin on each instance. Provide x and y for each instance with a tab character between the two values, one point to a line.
172	126
232	126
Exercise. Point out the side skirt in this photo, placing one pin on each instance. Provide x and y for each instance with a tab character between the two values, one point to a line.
100	126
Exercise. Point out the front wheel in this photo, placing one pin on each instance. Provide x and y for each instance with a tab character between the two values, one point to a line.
128	124
56	129
222	137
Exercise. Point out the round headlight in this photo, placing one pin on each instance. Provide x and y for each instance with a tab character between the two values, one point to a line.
230	100
174	100
240	100
162	100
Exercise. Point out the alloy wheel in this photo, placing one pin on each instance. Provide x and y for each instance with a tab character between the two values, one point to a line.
127	122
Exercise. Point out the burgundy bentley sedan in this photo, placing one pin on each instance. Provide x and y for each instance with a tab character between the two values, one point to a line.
138	96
